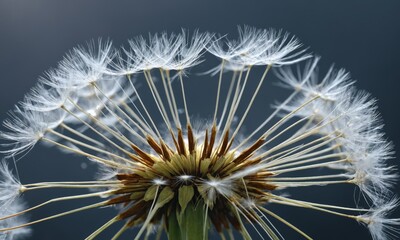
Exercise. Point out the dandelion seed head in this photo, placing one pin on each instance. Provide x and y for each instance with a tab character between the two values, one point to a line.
106	105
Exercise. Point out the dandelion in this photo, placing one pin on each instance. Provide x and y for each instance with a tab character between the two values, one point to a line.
129	112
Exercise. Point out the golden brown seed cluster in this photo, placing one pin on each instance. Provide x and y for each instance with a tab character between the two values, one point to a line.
190	172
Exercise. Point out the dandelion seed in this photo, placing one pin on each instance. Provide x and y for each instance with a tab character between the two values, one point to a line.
10	187
378	223
191	180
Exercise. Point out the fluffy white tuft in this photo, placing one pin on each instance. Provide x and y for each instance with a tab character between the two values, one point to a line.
379	225
169	52
10	187
258	47
20	233
25	129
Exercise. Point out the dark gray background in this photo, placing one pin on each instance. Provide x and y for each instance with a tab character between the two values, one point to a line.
361	36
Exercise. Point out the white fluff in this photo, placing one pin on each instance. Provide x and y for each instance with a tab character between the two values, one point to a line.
380	226
10	187
20	233
25	129
259	47
169	52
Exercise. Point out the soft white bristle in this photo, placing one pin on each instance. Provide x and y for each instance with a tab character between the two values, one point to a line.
10	187
20	233
380	226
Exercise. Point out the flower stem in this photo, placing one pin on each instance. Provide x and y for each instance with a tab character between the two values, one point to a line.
188	224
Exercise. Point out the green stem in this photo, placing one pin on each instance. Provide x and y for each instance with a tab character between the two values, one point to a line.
188	224
174	230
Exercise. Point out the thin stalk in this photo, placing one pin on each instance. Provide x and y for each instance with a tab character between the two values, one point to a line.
87	145
307	160
144	108
291	202
57	200
119	119
251	100
218	91
71	183
228	99
173	98
285	222
100	134
184	98
233	103
96	158
141	120
104	126
96	205
157	98
63	125
173	112
325	164
102	228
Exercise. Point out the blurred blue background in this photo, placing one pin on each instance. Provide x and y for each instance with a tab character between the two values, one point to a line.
359	35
